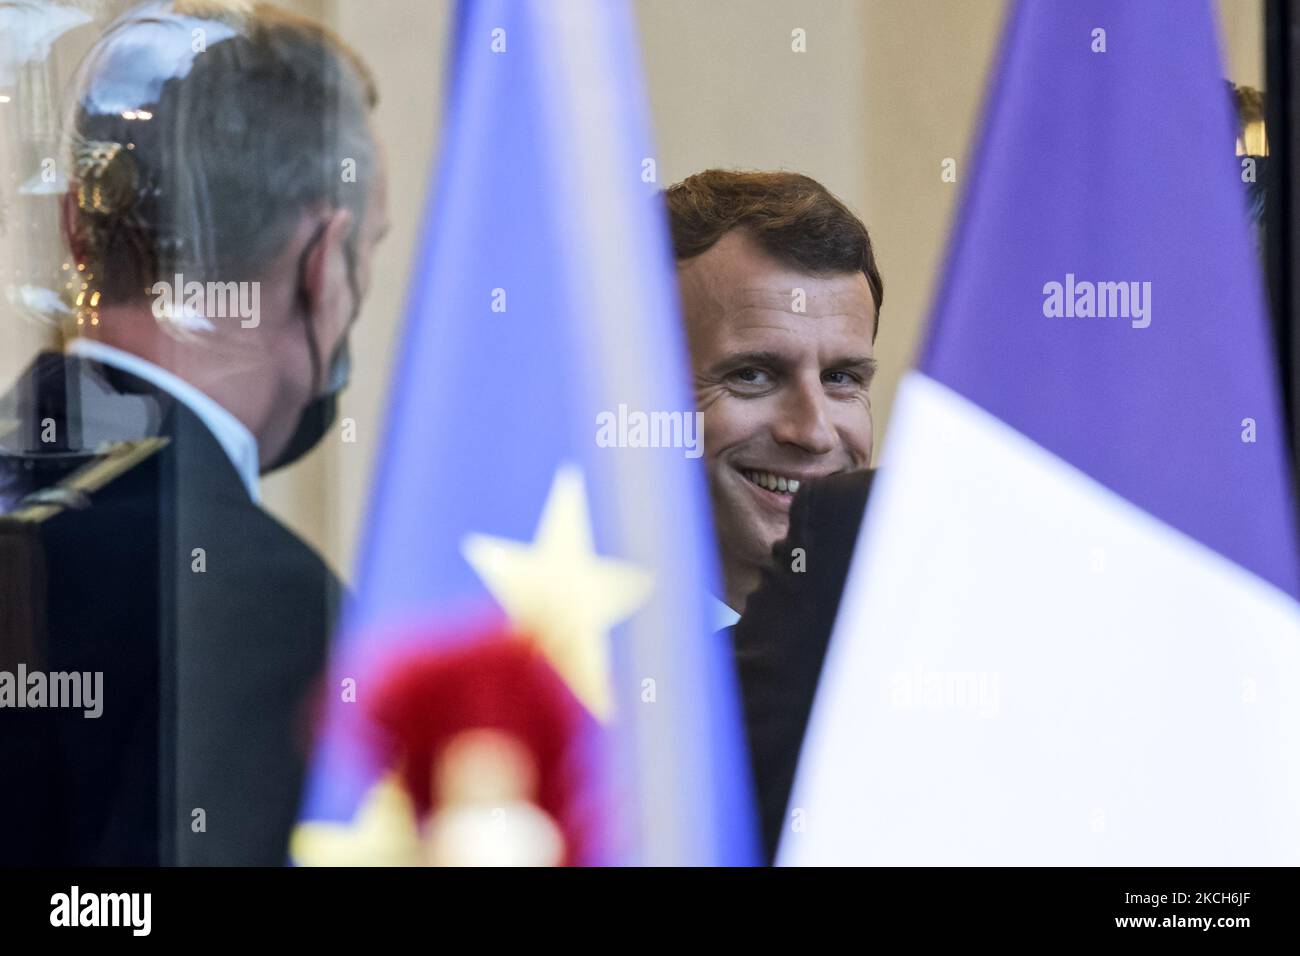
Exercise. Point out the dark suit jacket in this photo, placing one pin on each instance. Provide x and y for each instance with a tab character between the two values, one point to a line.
208	619
781	638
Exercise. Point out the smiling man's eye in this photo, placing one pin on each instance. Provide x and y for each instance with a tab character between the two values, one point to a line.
750	376
839	377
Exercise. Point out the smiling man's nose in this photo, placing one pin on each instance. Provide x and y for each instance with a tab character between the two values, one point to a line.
804	420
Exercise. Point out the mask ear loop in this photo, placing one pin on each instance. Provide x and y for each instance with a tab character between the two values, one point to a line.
350	264
306	307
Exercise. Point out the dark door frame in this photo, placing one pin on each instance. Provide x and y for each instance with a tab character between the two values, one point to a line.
1282	187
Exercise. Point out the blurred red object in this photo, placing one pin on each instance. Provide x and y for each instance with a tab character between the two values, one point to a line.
426	700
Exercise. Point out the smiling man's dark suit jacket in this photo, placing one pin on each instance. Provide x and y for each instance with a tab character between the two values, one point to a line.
207	673
781	638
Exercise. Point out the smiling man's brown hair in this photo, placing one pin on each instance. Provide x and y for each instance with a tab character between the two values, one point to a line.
791	217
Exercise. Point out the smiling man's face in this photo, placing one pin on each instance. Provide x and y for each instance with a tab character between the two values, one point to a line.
782	364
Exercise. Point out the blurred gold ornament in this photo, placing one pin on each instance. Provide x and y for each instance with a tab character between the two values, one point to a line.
107	178
80	293
1252	129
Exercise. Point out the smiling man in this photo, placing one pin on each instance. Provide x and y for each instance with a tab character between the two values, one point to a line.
781	298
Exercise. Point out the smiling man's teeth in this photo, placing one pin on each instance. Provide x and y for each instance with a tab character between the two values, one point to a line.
765	479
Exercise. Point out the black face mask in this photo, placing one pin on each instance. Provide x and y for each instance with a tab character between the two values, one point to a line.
318	416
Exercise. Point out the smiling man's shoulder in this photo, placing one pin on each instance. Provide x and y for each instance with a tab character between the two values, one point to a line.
827	513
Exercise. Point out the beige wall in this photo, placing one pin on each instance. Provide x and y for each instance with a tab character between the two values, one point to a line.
404	41
882	94
886	90
1241	40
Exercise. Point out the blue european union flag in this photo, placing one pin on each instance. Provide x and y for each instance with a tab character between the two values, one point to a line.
524	475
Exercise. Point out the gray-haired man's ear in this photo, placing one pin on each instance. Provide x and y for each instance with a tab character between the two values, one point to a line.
325	270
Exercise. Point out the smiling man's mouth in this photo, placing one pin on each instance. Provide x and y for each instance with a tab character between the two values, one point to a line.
770	481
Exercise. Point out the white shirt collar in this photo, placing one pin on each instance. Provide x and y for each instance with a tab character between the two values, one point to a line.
234	437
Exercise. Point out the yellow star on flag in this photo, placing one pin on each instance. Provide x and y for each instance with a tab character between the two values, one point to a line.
557	588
